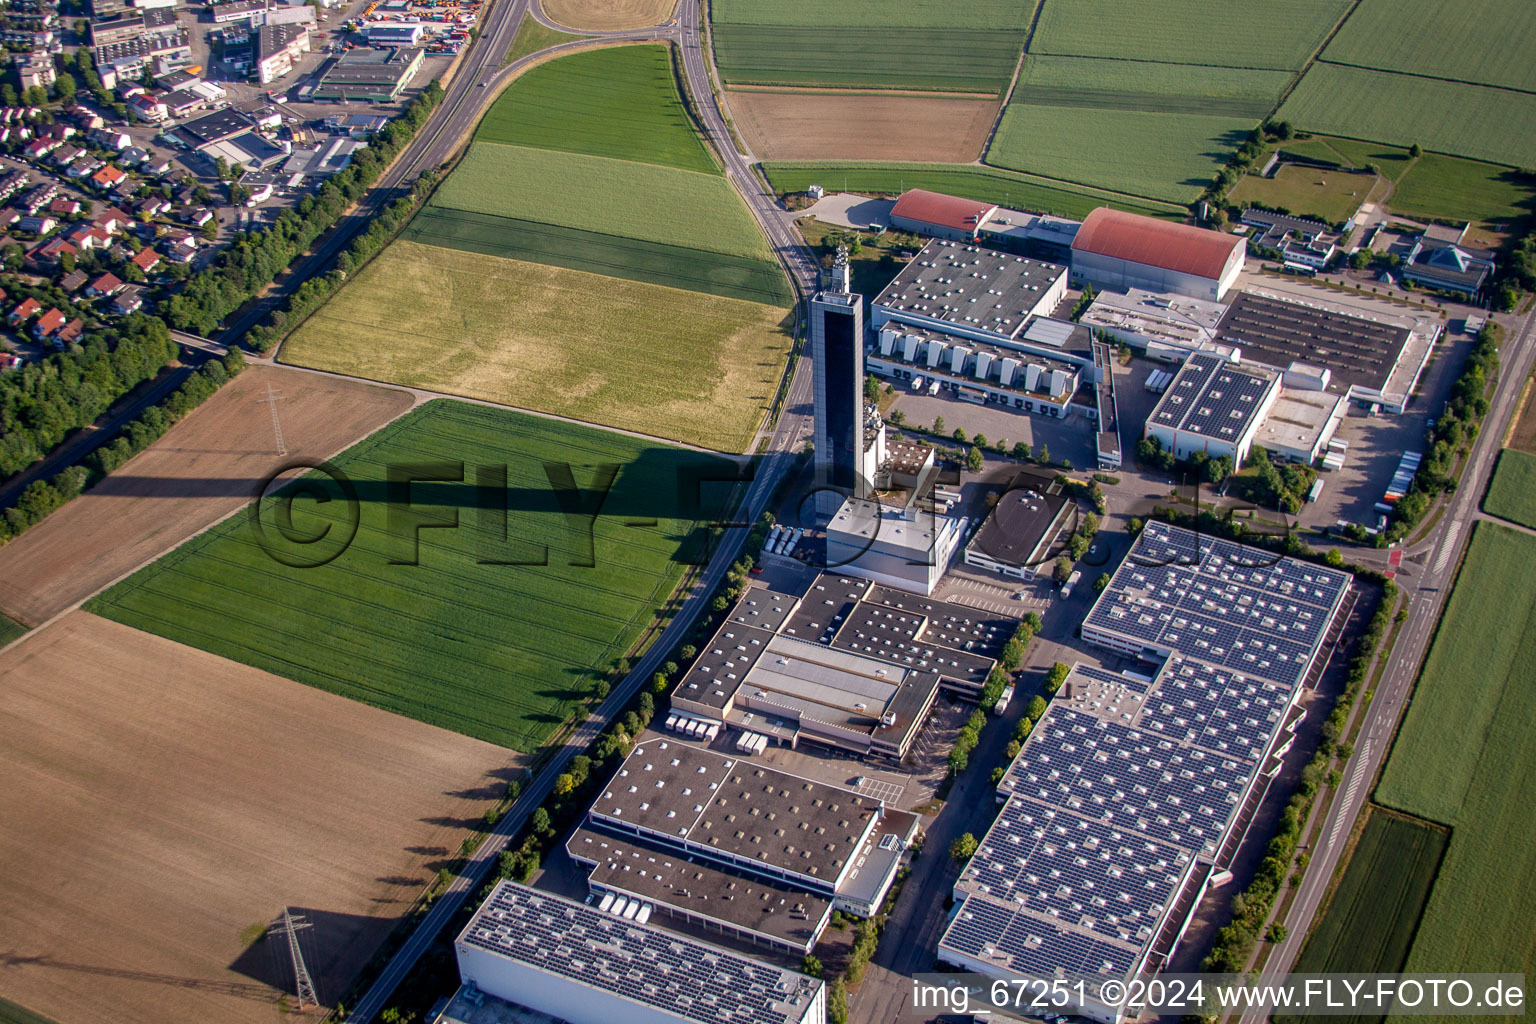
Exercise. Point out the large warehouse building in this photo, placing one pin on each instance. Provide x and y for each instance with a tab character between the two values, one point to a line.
1214	406
1121	251
577	963
1132	794
933	213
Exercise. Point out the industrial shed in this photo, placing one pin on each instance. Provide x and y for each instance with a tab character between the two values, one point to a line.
1121	251
939	215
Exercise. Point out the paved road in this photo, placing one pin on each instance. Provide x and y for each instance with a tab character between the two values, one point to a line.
457	114
1428	569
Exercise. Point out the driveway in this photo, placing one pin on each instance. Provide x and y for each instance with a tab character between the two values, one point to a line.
852	211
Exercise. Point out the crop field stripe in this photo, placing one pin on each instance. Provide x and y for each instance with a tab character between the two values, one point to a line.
933	14
1488	43
498	652
953	60
10	1013
1369	923
620	102
1478	121
988	184
1409	73
1512	494
736	277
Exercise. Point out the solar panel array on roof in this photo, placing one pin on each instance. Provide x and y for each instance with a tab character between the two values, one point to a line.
1224	603
1127	784
1212	397
693	980
1275	331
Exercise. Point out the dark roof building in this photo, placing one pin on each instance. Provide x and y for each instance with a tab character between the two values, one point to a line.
1118	250
1018	537
1214	406
1450	267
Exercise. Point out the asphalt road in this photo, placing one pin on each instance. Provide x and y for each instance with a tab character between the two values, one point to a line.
1428	569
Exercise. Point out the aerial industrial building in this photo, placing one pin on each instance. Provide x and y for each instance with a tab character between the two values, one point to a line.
1214	406
370	75
836	351
580	964
843	663
970	292
1018	537
1163	327
749	821
1130	797
1121	251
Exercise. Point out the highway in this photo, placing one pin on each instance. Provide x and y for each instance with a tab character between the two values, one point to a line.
453	119
1429	566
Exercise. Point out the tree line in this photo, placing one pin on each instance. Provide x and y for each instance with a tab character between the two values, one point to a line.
44	496
255	258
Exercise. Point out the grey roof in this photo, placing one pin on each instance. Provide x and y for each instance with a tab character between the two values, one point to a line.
1022	523
971	287
1278	332
1445	265
697	888
693	980
739	810
213	126
1213	397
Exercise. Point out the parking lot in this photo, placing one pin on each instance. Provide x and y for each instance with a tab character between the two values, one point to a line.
1070	438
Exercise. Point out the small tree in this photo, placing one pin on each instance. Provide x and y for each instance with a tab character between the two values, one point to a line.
1415	150
1020	450
980	440
1036	707
1062	569
540	823
871	388
1045	454
974	460
963	848
959	434
837	1001
938	424
1100	583
1333	558
811	966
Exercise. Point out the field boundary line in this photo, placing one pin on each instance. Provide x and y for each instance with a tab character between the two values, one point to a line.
1520	411
1430	78
1306	66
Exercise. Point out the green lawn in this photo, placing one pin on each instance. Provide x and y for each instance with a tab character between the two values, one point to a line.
1391	161
500	652
1370	920
1171	157
1140	85
1445	186
1512	494
620	102
10	630
1016	191
532	37
1486	41
1446	117
1331	195
889	57
1465	756
1231	33
737	277
614	197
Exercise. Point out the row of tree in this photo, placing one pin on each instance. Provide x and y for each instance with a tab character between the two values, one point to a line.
254	258
44	496
45	400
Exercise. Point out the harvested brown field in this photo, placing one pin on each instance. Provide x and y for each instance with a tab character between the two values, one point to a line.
819	125
608	15
203	469
161	804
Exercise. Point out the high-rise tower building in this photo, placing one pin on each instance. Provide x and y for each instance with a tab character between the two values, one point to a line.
837	357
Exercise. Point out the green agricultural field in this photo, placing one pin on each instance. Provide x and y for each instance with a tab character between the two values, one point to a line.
1230	33
817	54
1391	161
736	277
1447	117
1370	920
502	652
1512	494
1331	195
614	197
10	1013
1017	191
10	630
1171	157
1484	41
620	102
1465	757
678	364
1447	187
978	14
1140	85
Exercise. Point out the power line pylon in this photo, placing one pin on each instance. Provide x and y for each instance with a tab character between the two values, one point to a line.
303	984
277	427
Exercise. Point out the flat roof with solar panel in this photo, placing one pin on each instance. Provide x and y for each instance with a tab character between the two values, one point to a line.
1359	352
1213	397
567	941
972	287
1131	787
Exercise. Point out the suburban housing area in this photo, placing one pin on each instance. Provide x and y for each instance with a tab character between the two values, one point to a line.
763	511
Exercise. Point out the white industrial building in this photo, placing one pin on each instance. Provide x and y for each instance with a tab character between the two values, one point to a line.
970	292
579	964
1121	251
1215	406
1165	327
902	547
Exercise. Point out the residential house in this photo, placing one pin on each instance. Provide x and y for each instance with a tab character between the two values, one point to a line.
24	311
146	259
105	285
37	224
72	281
128	301
87	235
110	138
108	177
146	107
34	69
111	220
48	253
69	333
39	148
154	206
48	324
64	154
64	207
132	156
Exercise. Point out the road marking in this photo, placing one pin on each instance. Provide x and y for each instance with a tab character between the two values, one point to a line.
1448	547
1361	758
